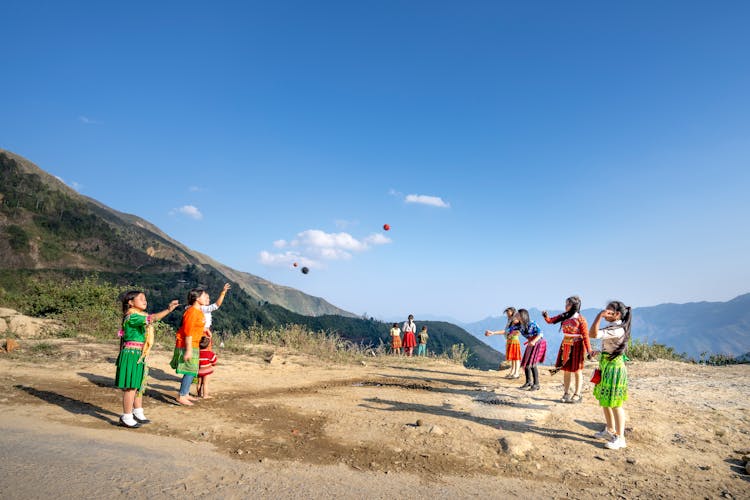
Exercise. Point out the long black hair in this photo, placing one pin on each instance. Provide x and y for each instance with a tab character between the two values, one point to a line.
126	298
575	306
625	316
194	294
512	311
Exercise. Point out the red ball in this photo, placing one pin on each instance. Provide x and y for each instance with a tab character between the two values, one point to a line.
386	227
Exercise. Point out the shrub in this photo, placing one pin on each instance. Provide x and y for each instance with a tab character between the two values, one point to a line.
643	351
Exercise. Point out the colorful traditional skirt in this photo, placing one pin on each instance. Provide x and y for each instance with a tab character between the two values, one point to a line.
612	389
513	349
570	355
534	354
179	364
410	340
130	373
395	342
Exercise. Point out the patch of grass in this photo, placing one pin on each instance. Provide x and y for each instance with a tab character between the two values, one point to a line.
45	349
643	351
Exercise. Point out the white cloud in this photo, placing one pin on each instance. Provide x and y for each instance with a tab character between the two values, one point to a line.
377	239
315	245
88	121
286	259
73	184
434	201
190	210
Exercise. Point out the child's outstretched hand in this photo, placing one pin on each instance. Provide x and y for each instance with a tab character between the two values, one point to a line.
227	286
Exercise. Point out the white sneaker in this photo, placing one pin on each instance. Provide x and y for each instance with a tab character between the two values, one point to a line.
616	444
605	434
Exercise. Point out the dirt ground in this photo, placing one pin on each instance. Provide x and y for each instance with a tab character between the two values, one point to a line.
297	427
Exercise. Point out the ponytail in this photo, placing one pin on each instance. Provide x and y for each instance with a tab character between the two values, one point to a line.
575	306
626	317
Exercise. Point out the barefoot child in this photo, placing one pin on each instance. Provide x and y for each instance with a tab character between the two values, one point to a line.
612	389
410	341
130	366
396	339
536	349
512	342
573	347
205	366
187	343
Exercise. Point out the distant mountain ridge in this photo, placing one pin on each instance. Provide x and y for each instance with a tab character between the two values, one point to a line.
692	328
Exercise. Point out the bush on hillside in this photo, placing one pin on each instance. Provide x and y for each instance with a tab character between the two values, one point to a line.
643	351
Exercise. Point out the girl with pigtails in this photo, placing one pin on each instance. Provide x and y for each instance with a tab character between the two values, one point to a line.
612	388
574	346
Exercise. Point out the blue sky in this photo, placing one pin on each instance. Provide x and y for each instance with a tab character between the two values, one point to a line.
522	152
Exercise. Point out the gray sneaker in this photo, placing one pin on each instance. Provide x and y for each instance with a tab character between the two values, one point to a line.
604	434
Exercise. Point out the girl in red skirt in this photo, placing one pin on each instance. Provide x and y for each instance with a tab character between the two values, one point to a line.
512	341
410	340
575	344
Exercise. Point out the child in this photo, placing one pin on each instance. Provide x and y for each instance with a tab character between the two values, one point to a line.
410	341
422	339
574	345
612	389
535	351
396	339
205	366
131	368
187	343
207	310
512	342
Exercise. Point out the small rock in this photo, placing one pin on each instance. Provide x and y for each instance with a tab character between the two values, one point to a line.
726	494
363	363
436	430
268	358
747	467
743	451
704	467
599	457
719	432
239	452
630	461
419	422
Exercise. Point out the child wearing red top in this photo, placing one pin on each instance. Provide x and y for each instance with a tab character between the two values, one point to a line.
206	365
575	344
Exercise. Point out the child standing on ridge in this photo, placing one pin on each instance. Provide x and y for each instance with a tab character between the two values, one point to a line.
130	367
396	339
512	342
410	341
573	347
422	339
206	365
612	388
536	349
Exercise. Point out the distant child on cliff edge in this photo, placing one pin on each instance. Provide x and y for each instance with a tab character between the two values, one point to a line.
410	341
130	367
396	339
422	338
206	365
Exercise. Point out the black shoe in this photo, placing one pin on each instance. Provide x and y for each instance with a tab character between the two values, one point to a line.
525	386
124	424
142	421
534	387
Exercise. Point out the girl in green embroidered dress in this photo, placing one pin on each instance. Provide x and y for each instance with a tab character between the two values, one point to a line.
612	389
130	366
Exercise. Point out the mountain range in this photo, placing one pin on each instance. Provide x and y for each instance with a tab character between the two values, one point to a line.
48	229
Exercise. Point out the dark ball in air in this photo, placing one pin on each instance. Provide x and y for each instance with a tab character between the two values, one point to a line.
305	270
